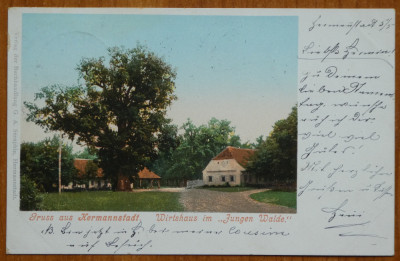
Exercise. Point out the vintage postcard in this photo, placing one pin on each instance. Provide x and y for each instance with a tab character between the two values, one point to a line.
247	131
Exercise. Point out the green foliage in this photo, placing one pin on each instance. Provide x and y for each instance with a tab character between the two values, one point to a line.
276	158
91	170
194	148
120	110
259	141
282	198
30	198
39	162
112	201
87	153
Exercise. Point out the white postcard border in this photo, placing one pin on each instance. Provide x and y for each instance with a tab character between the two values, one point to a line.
303	233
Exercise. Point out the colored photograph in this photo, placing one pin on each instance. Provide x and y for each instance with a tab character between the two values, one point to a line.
174	113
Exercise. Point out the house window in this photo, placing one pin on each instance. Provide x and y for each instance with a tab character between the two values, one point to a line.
209	178
232	178
223	178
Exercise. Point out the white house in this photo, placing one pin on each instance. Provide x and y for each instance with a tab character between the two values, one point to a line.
228	166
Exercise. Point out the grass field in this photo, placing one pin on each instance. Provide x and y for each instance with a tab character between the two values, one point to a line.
227	189
112	201
276	197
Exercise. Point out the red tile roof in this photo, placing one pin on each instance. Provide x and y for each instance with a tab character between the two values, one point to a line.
240	155
80	165
147	174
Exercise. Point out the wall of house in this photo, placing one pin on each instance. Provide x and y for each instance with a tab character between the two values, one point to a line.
92	184
98	184
219	172
68	187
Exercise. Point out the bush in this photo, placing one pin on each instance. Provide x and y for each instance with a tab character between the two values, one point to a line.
30	198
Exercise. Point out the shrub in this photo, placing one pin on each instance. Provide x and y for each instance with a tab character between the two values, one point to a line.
30	198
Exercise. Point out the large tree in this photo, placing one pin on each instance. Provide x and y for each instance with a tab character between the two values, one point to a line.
120	110
276	157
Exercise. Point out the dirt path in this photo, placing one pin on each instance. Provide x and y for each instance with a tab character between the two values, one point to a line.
203	200
160	190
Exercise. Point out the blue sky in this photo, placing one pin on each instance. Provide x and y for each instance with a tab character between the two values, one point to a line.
240	68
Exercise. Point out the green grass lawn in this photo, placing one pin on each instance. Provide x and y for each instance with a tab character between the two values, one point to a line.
227	189
112	201
276	197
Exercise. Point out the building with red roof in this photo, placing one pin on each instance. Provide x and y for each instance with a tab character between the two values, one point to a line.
80	165
229	166
146	174
94	182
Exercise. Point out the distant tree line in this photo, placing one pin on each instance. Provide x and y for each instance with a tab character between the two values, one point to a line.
276	157
188	153
185	155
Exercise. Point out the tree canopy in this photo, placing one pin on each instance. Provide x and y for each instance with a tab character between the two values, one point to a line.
86	153
39	163
194	148
120	110
276	157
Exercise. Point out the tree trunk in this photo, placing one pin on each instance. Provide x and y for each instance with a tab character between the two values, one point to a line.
123	183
